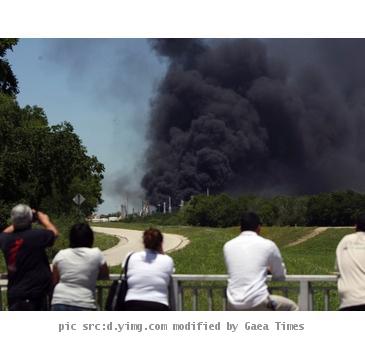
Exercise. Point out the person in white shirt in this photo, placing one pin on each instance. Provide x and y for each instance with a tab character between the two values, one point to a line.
350	263
149	275
76	270
249	258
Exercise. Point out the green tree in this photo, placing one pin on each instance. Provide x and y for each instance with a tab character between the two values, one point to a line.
8	81
199	211
45	166
290	211
335	208
215	210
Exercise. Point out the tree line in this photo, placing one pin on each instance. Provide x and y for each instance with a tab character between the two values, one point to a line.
338	208
42	165
325	209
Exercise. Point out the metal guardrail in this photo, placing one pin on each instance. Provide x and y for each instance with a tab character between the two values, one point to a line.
306	290
207	292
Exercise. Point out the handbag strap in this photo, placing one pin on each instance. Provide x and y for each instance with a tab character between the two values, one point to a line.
125	269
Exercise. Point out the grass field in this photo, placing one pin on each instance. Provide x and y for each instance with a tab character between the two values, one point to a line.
204	254
315	256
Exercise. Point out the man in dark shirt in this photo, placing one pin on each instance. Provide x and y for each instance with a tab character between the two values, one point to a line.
29	274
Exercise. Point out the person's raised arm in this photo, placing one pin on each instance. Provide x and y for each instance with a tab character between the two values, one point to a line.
9	229
46	223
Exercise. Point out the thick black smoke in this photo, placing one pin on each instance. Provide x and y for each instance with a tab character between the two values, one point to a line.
241	116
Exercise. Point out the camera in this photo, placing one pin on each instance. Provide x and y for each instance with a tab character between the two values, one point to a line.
35	216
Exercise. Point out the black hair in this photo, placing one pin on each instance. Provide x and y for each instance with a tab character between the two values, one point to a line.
152	239
360	222
249	221
81	235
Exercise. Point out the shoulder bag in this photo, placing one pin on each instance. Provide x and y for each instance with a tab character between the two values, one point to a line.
118	291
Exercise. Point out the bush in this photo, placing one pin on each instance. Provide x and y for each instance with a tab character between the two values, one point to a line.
168	219
215	211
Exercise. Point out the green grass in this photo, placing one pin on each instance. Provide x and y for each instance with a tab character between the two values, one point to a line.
204	254
105	242
2	263
316	256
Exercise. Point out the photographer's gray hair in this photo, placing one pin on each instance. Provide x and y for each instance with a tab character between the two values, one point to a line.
21	216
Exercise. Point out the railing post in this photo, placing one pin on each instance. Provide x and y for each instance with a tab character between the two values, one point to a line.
303	299
326	299
1	299
224	299
210	299
100	297
195	299
175	303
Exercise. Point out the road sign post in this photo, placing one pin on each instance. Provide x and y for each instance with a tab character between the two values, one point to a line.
78	200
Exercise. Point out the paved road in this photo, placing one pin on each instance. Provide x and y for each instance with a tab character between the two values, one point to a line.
131	240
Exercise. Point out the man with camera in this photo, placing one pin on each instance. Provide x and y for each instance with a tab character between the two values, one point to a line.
29	275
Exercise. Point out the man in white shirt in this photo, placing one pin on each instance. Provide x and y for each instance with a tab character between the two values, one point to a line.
350	262
249	258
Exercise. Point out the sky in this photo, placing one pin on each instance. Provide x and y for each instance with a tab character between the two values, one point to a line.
103	87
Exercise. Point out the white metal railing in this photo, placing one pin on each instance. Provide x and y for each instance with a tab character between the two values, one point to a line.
207	292
307	289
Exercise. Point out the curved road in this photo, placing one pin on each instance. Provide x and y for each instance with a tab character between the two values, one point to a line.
131	240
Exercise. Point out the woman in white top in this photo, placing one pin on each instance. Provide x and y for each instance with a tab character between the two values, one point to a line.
149	274
76	270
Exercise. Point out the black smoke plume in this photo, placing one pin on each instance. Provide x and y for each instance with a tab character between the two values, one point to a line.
257	116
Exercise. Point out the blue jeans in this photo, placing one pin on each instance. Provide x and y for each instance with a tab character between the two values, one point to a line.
63	307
